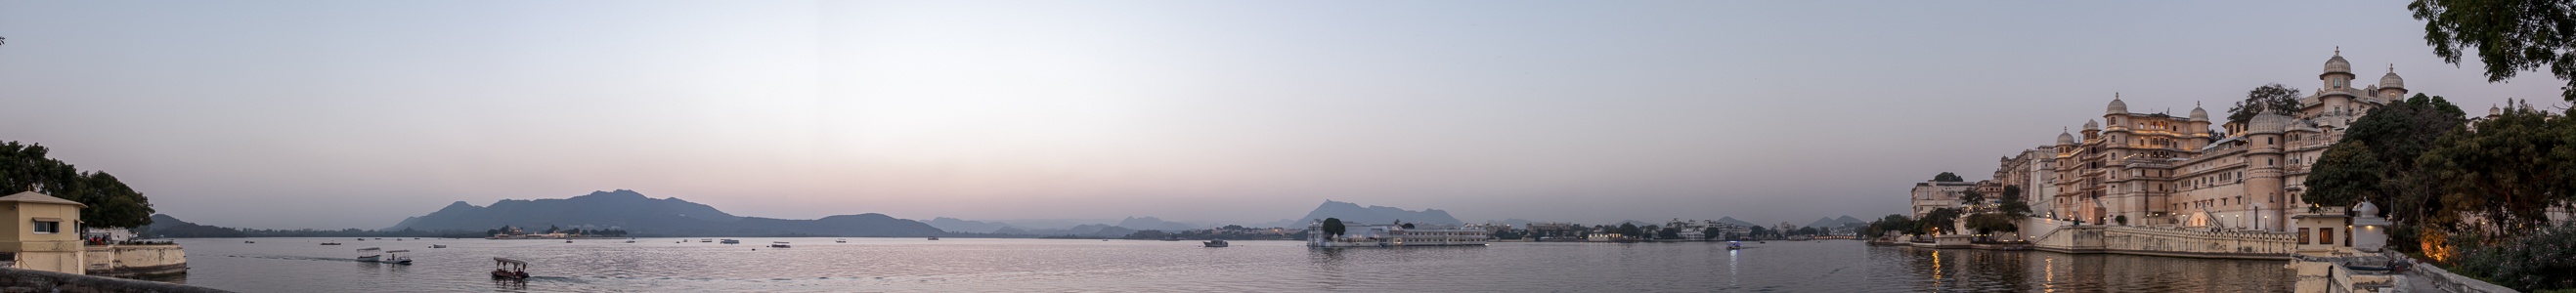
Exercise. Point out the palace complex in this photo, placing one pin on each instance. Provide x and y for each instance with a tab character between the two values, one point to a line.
2160	169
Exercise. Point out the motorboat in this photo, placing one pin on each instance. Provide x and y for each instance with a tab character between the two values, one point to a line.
630	241
1214	243
934	238
779	244
437	246
731	241
370	257
395	257
706	240
248	241
509	269
1734	245
840	241
330	243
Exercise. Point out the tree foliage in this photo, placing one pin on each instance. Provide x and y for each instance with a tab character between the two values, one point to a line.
1990	223
1938	221
25	167
1334	226
2508	36
2508	171
2377	159
2269	98
2012	203
1947	177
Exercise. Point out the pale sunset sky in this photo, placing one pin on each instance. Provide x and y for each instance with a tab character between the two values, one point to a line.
355	114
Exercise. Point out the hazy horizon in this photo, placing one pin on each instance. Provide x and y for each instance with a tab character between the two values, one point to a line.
329	115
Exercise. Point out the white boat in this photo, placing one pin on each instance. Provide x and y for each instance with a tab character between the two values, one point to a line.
731	241
841	241
395	257
370	257
779	244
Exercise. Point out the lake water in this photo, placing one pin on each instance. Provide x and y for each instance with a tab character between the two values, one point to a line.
983	265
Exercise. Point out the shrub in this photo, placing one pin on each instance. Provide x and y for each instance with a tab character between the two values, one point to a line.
2541	261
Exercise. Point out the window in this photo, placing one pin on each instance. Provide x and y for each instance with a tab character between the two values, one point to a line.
2303	236
48	227
2325	236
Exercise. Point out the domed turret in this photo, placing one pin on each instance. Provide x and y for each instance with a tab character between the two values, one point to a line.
2197	114
2117	107
2064	138
2337	65
2366	209
2268	123
2391	81
2089	125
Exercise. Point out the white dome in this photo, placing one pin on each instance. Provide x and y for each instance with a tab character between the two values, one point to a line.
2391	81
2268	122
2337	65
2117	107
2065	139
2198	115
2366	210
2089	125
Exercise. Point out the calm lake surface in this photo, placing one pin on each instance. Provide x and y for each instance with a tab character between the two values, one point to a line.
982	265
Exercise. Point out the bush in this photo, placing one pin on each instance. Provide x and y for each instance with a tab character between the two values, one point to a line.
2541	261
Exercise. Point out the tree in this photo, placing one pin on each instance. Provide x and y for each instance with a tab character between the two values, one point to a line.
1712	233
2013	204
2377	159
2123	219
2509	171
2509	36
1947	177
1407	225
1333	226
1989	223
1938	221
25	167
1630	230
1757	232
1891	223
1972	197
2269	98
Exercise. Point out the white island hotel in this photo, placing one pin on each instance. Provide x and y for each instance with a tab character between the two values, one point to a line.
1396	235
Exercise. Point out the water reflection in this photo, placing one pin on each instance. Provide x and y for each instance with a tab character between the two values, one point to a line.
1979	270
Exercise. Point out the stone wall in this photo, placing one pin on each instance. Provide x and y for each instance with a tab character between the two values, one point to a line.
2167	242
135	260
2445	281
24	280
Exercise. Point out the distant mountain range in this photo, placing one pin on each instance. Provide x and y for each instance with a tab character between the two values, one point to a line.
640	215
1835	222
1354	213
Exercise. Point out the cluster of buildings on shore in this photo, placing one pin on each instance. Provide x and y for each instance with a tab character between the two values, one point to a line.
2157	169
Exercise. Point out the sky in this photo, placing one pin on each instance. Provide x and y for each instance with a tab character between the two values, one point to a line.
340	114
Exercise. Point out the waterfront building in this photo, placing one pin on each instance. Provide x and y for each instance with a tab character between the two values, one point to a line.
2164	170
1397	235
1932	195
38	240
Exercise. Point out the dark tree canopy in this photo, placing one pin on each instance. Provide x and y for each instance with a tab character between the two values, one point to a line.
2013	204
1333	226
1939	221
1947	177
2377	159
2274	98
25	167
2508	171
2508	36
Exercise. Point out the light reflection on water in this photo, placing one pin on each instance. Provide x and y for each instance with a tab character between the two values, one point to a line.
912	264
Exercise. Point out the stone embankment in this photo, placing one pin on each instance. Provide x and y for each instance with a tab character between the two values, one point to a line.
23	280
135	260
2167	242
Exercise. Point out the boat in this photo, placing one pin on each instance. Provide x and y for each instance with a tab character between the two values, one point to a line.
1214	243
934	238
706	240
1734	245
370	257
437	246
395	257
509	269
779	244
330	243
567	241
841	241
248	241
630	241
731	241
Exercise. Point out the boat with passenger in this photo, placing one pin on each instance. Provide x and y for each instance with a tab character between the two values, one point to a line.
395	257
370	257
509	269
1734	245
778	244
731	241
1214	243
843	240
437	246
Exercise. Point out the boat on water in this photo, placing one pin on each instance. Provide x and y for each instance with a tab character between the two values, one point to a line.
779	244
437	246
731	241
934	238
1214	243
840	241
1734	245
630	241
248	241
706	240
330	243
509	269
370	257
395	257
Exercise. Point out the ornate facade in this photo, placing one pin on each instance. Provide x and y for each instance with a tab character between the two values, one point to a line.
2159	169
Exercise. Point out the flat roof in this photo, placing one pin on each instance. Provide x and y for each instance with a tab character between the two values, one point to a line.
32	196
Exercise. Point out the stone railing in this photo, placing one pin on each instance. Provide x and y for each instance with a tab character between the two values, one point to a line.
2168	242
23	280
2446	281
135	260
